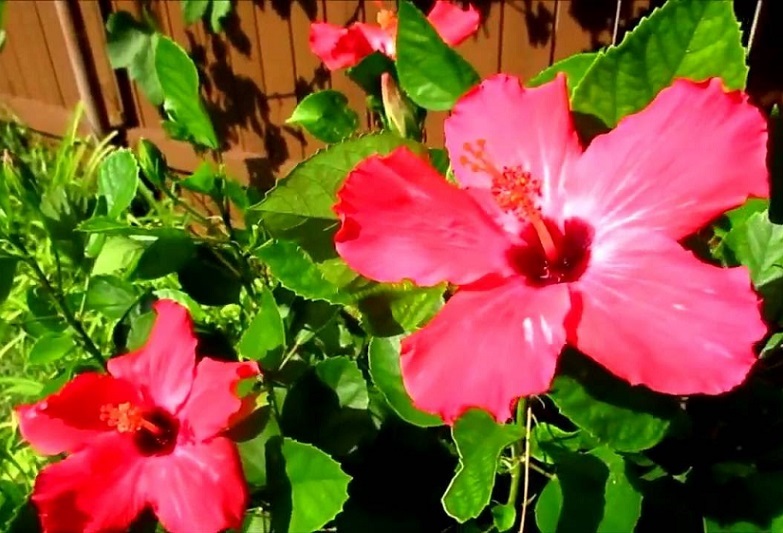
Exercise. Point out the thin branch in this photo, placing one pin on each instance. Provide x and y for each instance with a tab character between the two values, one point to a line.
526	487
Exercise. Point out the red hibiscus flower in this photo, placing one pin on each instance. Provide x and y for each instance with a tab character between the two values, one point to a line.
551	244
147	435
340	47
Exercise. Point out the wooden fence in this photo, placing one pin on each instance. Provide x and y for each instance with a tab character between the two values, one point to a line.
255	71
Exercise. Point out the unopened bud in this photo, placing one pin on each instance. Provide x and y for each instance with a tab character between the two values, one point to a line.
400	114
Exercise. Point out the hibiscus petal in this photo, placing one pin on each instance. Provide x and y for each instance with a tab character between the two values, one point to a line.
693	153
164	368
453	23
213	404
71	418
95	489
529	128
654	314
401	219
485	349
198	487
338	47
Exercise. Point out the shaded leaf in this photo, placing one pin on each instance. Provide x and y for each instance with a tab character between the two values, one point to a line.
343	376
50	348
480	441
110	296
118	179
326	116
264	338
384	357
166	254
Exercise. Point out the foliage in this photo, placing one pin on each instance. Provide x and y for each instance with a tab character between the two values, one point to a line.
91	235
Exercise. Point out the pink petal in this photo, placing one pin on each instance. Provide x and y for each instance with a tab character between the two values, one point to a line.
94	490
453	23
338	47
529	128
71	418
693	153
213	403
164	368
485	349
400	219
380	40
653	314
198	487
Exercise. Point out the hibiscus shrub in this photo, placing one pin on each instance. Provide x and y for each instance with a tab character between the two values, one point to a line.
566	319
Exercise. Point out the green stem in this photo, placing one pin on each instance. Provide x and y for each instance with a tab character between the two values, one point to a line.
517	452
59	301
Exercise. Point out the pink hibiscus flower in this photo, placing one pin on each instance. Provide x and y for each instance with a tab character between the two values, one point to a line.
340	47
146	435
551	244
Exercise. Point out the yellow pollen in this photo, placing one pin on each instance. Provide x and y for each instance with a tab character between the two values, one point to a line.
387	19
513	189
127	418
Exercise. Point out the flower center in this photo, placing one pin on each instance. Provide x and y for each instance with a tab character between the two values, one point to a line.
514	190
154	431
387	19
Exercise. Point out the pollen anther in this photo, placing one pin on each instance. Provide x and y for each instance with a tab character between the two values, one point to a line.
126	417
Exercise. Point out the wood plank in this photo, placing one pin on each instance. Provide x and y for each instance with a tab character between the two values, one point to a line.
583	27
13	69
95	35
58	52
310	74
51	119
483	49
249	79
526	45
274	35
26	34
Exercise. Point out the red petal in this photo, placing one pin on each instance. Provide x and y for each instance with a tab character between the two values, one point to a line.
529	128
693	153
71	418
213	403
338	47
164	368
400	219
198	488
453	23
485	349
95	489
654	314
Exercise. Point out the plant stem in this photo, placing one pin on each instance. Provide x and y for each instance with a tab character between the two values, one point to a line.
516	458
526	488
62	306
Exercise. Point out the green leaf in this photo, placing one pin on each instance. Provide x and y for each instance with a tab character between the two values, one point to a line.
140	330
44	313
575	68
166	254
590	493
118	179
624	417
432	73
110	296
264	338
117	253
131	45
758	244
310	189
548	442
683	39
108	226
220	9
152	162
50	348
7	273
202	180
390	309
326	116
504	516
252	451
384	357
480	441
193	10
310	488
343	376
296	271
179	80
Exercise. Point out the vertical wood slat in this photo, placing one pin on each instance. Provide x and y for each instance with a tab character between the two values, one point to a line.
95	34
25	36
57	51
274	35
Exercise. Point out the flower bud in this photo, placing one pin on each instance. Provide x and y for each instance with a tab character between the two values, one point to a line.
400	114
